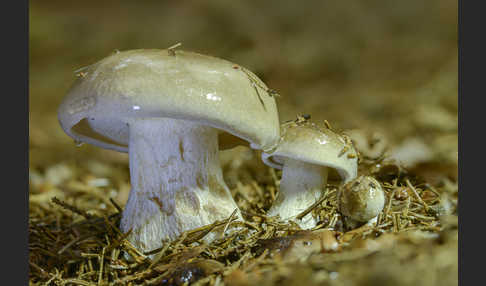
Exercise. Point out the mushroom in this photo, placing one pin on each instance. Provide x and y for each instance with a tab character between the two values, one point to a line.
361	199
307	154
171	111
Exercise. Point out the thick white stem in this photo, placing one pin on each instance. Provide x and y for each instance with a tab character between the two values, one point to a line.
177	183
300	187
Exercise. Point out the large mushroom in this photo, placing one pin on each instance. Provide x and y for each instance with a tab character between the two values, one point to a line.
171	111
308	154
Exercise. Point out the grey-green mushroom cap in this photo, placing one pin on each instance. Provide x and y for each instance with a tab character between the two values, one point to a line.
178	84
310	143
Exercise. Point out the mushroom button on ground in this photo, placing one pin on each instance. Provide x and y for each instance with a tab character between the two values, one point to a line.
361	199
171	111
306	153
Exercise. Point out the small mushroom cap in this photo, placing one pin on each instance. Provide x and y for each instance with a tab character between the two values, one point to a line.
171	84
361	199
317	145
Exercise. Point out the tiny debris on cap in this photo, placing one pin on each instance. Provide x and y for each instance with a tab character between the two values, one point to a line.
327	124
302	118
171	49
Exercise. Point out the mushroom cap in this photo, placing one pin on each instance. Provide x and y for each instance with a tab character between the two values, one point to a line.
151	83
307	142
361	199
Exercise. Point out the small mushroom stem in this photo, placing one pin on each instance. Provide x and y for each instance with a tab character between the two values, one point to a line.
300	187
177	182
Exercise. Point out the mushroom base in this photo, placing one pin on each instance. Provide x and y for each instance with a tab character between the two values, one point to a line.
300	187
177	183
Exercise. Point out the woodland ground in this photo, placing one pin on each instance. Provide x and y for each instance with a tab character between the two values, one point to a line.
387	68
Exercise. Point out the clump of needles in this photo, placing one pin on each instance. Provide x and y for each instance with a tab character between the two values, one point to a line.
74	237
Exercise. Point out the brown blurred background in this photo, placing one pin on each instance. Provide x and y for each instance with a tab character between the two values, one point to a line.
389	66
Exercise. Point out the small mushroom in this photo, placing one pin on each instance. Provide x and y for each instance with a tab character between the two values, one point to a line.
361	199
171	111
307	154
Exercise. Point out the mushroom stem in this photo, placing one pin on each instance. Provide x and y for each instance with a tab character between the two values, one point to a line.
177	182
300	187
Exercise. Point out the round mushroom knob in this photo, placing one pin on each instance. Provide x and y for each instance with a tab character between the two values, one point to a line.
361	199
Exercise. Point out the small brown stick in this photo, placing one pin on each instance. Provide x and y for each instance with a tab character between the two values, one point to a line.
76	282
327	124
110	227
433	190
388	207
333	221
71	208
379	217
199	233
396	222
407	207
102	259
171	49
417	195
255	83
139	257
89	255
42	271
228	223
138	275
120	240
159	255
72	242
414	214
118	208
53	277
